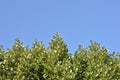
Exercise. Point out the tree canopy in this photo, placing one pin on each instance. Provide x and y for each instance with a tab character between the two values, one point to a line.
55	62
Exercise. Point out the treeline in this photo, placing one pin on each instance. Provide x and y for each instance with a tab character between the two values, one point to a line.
55	63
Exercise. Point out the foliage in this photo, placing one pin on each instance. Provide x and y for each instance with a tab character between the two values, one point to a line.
56	63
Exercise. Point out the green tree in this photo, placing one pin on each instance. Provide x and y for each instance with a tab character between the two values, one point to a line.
56	63
56	53
11	59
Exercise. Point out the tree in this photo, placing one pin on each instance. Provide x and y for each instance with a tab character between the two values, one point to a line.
56	63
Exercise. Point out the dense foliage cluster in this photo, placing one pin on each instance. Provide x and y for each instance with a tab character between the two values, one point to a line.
55	63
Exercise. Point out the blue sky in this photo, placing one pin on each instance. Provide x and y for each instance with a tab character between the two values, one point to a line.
77	21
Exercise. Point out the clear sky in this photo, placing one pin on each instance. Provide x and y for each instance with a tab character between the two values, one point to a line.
77	21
